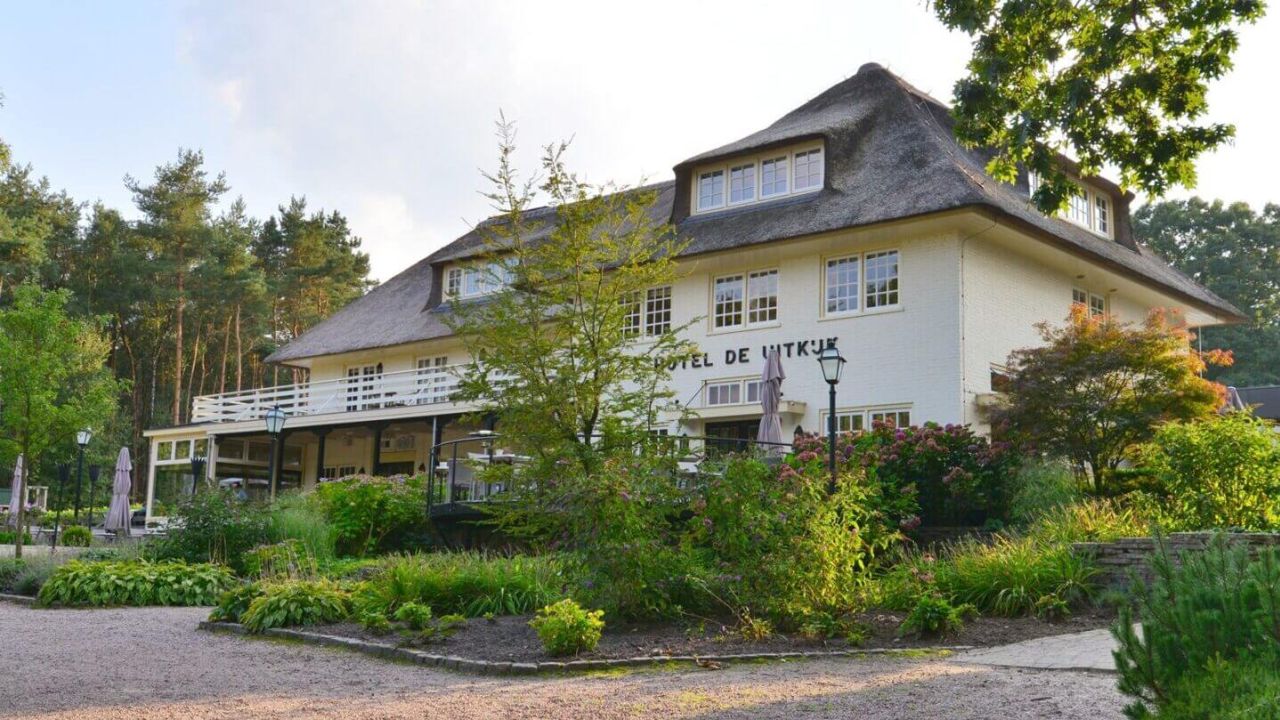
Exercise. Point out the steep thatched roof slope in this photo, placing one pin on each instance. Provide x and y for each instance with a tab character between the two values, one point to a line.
890	155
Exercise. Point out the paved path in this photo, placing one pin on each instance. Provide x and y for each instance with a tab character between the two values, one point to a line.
1078	651
152	663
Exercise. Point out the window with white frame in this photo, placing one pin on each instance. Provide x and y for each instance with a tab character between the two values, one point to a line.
881	279
857	419
760	290
897	418
465	282
774	177
727	301
808	173
732	392
1089	208
724	393
762	297
647	313
657	311
863	282
711	190
631	314
745	180
742	183
844	276
1097	304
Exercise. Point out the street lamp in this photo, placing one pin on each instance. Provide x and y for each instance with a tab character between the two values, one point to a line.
832	365
82	439
275	423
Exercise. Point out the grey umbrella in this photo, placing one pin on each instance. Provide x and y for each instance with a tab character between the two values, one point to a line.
770	397
118	514
15	493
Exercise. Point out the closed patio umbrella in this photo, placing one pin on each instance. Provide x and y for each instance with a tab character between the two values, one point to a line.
118	515
15	494
770	397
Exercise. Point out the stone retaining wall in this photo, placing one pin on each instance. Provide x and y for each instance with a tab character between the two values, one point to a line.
1117	559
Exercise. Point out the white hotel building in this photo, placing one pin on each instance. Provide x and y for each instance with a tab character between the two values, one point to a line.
855	219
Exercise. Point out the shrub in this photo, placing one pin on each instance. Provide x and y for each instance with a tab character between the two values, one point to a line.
959	477
294	603
9	569
933	616
470	584
372	514
375	622
565	628
109	583
7	537
287	559
1007	576
1215	606
295	517
787	548
416	615
1094	520
33	574
77	536
1222	472
234	602
1241	689
1039	488
214	526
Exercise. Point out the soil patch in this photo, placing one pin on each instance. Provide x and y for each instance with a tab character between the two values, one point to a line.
510	639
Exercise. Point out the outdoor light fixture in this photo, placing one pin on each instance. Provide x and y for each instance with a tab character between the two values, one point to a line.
832	366
82	439
275	423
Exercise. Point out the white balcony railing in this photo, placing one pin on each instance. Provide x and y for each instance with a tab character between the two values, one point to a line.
423	386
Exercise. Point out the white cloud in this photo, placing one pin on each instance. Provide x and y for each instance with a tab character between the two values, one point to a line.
231	94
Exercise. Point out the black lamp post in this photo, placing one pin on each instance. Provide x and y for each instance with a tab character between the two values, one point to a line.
832	365
94	472
275	423
82	439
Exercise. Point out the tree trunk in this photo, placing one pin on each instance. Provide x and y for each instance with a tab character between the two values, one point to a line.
177	343
239	353
226	347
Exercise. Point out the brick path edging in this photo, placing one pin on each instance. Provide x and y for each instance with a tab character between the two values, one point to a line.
486	667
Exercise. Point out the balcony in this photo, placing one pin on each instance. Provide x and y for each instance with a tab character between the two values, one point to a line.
408	388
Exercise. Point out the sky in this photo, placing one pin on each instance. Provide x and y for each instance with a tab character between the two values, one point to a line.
385	110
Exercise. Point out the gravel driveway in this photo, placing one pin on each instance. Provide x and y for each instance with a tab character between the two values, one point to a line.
152	663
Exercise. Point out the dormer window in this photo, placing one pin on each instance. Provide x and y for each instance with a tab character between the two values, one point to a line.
1090	209
753	179
466	282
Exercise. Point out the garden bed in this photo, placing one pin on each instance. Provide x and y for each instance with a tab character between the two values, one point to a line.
510	639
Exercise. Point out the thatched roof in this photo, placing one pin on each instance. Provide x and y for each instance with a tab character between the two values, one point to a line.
890	155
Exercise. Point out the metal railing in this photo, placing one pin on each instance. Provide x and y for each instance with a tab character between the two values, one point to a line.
420	386
457	466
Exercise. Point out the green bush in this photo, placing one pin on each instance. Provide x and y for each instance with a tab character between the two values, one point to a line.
111	583
1213	607
565	628
9	569
295	603
214	526
1093	520
233	603
33	574
1007	576
1241	689
375	622
787	548
371	515
1039	488
470	584
416	615
294	517
935	617
77	536
1219	473
7	537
